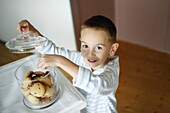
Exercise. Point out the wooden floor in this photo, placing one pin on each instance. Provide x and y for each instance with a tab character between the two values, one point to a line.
144	79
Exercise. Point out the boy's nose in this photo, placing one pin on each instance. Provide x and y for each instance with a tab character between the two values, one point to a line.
91	53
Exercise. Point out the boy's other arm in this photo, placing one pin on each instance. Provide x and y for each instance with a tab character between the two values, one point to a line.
25	26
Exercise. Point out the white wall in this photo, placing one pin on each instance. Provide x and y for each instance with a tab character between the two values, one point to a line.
52	18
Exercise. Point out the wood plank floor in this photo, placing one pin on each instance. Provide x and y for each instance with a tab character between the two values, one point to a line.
144	78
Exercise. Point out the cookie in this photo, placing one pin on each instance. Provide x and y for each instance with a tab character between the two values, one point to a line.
33	99
37	89
25	92
40	73
26	83
50	91
28	74
47	80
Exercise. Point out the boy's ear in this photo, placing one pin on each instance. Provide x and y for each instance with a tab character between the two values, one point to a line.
114	49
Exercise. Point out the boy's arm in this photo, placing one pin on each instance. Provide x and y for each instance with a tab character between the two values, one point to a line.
59	61
51	48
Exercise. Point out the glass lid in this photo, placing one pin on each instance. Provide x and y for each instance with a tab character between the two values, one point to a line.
25	43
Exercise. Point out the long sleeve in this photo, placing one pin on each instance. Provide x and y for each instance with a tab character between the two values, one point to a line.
50	48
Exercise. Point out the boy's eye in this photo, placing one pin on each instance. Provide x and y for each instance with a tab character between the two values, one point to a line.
85	46
99	48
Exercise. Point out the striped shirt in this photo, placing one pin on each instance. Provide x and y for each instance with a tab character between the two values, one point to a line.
98	87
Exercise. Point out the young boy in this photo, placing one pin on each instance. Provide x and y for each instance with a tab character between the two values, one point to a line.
95	70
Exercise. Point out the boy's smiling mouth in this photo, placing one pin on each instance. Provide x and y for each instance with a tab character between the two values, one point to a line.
91	60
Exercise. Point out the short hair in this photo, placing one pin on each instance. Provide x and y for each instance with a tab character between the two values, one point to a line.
101	23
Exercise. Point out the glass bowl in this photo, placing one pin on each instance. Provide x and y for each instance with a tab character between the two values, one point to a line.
38	86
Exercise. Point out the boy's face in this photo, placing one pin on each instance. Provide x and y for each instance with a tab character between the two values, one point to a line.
95	47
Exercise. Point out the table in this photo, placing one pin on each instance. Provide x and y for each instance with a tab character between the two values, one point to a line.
11	101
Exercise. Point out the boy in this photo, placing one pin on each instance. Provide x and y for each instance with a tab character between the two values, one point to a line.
95	70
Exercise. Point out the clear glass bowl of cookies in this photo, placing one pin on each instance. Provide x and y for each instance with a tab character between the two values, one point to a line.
38	86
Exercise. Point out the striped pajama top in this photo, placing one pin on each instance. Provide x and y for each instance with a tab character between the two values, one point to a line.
98	87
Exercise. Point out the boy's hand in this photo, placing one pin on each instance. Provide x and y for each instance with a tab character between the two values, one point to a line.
47	61
50	60
25	26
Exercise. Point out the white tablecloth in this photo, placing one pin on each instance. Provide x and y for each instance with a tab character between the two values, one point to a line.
11	100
